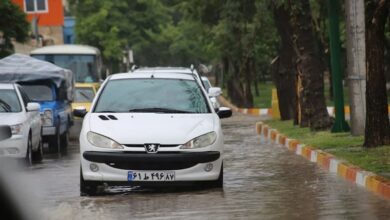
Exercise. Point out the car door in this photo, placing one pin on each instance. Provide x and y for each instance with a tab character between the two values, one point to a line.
33	118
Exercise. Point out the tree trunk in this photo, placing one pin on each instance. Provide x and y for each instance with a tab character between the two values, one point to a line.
284	74
311	97
377	130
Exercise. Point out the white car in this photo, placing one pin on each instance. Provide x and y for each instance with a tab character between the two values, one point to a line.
23	117
151	128
212	92
216	91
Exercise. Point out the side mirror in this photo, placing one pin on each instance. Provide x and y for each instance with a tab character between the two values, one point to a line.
33	107
80	112
5	132
215	91
224	112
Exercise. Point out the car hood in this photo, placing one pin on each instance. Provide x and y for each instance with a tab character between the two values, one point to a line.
11	118
141	128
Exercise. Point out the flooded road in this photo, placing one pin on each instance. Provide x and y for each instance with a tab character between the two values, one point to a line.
261	181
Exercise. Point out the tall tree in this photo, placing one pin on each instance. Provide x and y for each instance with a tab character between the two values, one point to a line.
284	67
13	25
377	131
311	99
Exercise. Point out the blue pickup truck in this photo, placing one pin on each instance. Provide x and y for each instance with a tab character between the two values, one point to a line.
56	112
49	85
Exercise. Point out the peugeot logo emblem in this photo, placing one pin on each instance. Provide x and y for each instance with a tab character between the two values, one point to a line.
151	148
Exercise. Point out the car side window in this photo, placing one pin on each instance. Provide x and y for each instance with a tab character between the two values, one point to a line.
25	97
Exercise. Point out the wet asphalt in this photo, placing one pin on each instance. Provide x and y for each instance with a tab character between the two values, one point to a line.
261	181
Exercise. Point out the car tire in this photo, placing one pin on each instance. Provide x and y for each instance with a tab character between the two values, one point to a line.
37	155
64	139
55	141
219	182
28	159
87	188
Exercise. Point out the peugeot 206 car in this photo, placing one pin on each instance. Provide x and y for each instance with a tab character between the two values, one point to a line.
151	128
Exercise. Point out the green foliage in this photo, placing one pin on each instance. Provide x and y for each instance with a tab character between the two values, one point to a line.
13	24
116	25
173	32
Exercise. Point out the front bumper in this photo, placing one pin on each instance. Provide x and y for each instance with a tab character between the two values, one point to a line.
48	130
114	166
15	147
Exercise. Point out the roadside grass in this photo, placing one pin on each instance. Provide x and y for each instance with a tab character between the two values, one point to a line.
342	145
263	100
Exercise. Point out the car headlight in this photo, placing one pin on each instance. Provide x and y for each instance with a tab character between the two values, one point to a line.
47	118
201	141
16	129
98	140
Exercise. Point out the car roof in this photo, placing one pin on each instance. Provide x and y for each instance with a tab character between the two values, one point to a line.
66	49
7	86
151	74
182	70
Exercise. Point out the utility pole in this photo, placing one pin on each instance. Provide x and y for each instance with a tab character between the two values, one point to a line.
356	64
340	125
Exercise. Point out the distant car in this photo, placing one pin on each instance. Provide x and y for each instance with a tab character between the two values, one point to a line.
140	131
217	92
83	96
22	115
56	113
212	92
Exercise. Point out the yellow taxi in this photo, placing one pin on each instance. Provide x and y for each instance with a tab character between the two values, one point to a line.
84	94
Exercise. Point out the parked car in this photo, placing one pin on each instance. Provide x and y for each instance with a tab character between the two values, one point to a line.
22	115
212	92
83	95
49	85
216	92
140	131
56	111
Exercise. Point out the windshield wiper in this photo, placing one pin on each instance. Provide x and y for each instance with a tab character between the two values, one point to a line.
85	96
5	106
159	110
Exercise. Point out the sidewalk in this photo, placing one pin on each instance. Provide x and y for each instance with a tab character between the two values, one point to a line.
329	162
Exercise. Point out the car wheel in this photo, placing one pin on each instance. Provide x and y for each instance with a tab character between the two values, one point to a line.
28	158
87	188
55	141
219	182
37	155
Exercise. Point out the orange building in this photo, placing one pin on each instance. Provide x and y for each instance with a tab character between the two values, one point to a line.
49	15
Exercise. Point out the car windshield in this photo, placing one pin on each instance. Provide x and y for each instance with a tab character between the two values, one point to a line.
206	84
83	66
152	95
84	95
9	101
38	92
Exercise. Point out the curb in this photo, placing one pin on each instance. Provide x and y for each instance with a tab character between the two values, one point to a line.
329	162
268	111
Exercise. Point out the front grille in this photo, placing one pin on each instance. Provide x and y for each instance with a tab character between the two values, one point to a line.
162	145
152	166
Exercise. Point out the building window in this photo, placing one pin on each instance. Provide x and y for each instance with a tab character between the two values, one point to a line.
35	6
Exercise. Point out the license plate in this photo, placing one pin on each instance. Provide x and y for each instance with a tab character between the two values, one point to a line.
151	176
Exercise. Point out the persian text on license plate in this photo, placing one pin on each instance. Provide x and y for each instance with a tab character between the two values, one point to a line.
151	176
